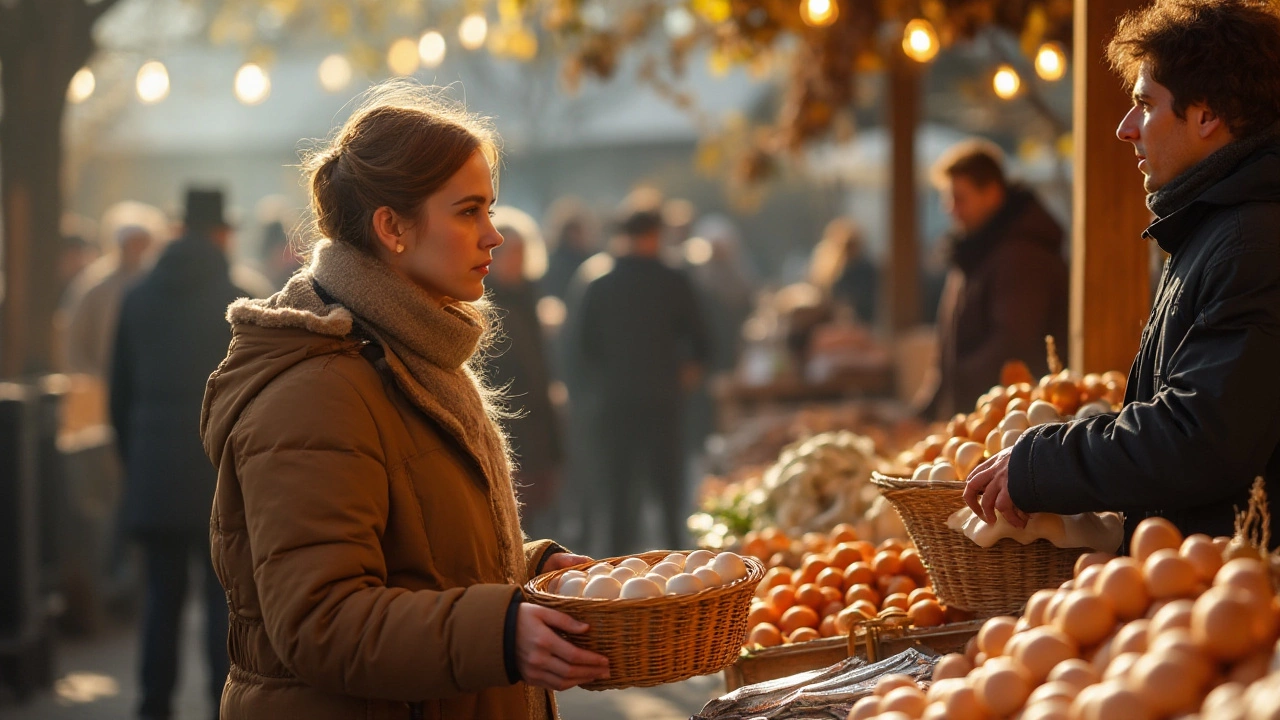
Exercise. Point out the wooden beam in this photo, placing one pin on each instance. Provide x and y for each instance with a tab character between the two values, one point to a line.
1110	284
903	289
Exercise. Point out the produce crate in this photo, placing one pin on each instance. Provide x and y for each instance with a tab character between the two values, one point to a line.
871	641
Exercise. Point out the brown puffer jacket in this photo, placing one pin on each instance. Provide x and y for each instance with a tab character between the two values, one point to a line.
355	542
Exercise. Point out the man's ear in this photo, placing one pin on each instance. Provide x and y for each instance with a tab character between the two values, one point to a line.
388	228
1206	121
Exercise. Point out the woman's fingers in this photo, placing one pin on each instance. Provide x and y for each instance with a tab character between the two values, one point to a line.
973	489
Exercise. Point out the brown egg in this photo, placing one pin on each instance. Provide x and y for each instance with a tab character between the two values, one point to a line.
1041	649
1152	534
1169	575
1109	701
1251	669
1052	607
1053	690
1087	577
955	665
1052	709
1198	549
1218	623
994	634
1074	672
1179	642
1132	637
926	613
963	704
892	682
1122	583
1035	612
1225	694
1004	686
1246	574
907	700
1120	666
1091	559
1167	684
1174	615
866	708
1085	616
941	688
992	443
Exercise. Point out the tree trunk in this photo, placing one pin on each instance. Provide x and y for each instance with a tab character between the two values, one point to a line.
42	45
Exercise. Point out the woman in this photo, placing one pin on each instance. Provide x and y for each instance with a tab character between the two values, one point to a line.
365	527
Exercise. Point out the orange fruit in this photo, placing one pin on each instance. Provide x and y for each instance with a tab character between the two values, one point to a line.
810	595
899	601
843	533
832	594
865	609
832	608
800	616
844	555
804	634
827	628
846	619
766	635
756	548
809	569
896	584
912	565
762	612
816	542
776	539
867	549
926	613
886	563
859	573
862	592
921	594
831	577
775	577
782	598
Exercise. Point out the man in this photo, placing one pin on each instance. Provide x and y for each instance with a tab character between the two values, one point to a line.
1201	418
636	346
172	334
1008	284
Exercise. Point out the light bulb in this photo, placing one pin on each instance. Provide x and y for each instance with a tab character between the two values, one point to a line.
819	13
253	85
335	72
153	82
431	48
1051	62
1006	82
82	86
402	57
919	41
472	31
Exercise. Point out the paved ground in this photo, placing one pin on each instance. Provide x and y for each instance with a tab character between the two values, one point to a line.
97	681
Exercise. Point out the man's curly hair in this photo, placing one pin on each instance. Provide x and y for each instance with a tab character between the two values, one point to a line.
1222	53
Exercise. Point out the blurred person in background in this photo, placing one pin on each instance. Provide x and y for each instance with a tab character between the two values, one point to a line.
92	303
637	345
570	231
279	261
1007	287
519	364
171	335
841	269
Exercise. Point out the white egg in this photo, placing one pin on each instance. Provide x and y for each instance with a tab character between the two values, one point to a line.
729	566
639	587
602	586
572	587
697	559
922	472
683	584
599	569
569	575
676	559
1042	412
622	574
666	569
638	566
1009	438
1016	420
709	577
943	471
659	580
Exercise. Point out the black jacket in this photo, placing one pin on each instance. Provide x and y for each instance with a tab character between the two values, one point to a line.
1202	413
172	334
635	325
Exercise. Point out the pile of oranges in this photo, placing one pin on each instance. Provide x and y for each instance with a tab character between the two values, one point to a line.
839	582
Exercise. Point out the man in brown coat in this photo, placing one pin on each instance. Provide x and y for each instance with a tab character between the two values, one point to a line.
1007	287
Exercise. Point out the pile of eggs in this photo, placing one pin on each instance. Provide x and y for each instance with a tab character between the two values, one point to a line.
1178	630
634	579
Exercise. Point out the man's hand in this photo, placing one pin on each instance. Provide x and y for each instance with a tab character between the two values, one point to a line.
987	491
545	658
562	560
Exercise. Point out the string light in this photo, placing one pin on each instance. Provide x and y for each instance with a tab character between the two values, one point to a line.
1051	62
819	13
1006	82
678	22
153	82
253	85
335	73
473	30
432	48
402	57
920	41
82	86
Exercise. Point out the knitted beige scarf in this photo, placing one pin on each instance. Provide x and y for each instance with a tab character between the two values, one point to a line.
428	349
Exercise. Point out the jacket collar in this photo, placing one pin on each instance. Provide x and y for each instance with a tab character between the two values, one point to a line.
1257	178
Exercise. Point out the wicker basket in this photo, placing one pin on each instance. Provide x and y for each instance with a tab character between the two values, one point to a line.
986	581
658	640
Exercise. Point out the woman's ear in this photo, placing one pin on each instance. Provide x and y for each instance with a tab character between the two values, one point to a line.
389	229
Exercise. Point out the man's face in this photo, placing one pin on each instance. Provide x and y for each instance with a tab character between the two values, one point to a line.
1166	144
971	205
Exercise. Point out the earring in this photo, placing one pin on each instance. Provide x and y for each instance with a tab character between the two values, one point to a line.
399	248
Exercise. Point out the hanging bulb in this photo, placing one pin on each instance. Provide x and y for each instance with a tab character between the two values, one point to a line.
252	85
335	73
432	48
82	86
1006	82
153	82
920	41
819	13
1051	62
402	57
473	30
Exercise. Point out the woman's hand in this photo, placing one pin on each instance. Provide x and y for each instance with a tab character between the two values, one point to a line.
987	491
548	660
562	560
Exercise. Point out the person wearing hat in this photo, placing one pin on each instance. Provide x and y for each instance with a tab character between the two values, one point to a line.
171	335
637	342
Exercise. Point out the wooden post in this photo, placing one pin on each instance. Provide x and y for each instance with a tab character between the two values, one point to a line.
1110	284
904	252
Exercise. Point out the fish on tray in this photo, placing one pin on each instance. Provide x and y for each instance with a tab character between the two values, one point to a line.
825	694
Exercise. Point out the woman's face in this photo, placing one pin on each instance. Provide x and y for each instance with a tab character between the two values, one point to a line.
448	249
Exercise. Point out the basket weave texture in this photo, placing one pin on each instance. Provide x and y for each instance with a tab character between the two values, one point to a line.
987	581
654	641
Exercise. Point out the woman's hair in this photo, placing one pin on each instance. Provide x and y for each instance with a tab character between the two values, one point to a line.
1223	53
514	223
403	143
